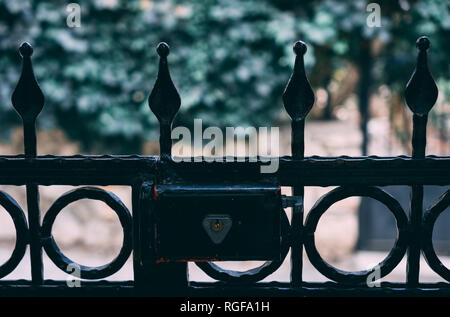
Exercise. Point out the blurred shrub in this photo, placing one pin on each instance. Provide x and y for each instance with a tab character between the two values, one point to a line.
230	59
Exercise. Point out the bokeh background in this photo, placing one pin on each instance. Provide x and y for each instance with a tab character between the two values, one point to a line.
230	61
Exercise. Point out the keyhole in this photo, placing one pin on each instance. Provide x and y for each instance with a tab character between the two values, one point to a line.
217	225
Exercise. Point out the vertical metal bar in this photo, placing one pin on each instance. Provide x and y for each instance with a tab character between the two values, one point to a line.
161	279
298	139
420	95
298	99
137	243
419	136
28	101
34	223
416	204
298	152
29	139
164	101
165	140
34	213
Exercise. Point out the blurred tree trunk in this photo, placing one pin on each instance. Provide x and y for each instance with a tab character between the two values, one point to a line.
365	81
328	110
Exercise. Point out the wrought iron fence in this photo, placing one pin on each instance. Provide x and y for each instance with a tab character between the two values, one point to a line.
205	211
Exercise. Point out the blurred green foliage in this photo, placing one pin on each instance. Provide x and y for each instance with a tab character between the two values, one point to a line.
230	59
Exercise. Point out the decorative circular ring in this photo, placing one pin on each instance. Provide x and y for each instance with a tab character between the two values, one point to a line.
384	267
20	224
253	275
429	219
55	254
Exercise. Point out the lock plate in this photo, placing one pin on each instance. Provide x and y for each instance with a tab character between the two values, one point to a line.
217	223
217	227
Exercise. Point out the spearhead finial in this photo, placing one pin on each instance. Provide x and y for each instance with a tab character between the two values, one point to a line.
27	98
164	101
421	91
298	97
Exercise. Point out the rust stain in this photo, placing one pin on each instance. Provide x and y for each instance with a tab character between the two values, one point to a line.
162	260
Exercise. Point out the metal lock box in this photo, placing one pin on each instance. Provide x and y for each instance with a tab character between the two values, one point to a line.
217	223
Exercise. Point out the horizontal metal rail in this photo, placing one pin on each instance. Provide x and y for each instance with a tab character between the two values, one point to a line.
310	171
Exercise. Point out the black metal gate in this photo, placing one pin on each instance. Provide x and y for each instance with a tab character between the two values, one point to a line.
377	228
205	211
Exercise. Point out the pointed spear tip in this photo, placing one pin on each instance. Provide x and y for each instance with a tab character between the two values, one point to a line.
163	49
423	43
421	91
298	96
26	50
300	48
